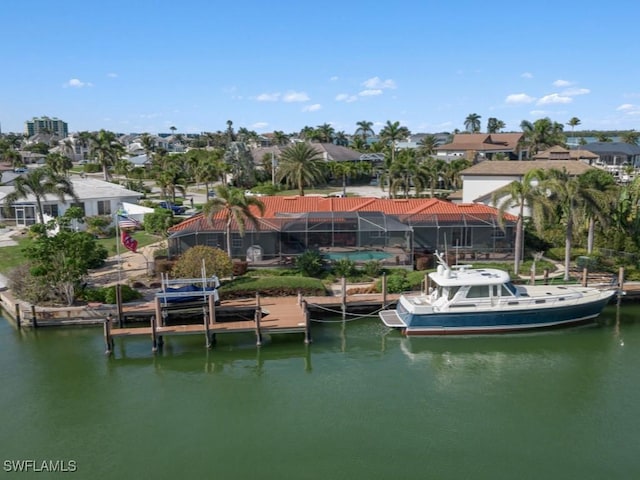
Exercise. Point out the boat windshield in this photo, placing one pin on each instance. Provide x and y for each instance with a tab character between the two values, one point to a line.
511	288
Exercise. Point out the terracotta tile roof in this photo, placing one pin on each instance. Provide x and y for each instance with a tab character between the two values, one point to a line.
519	168
277	207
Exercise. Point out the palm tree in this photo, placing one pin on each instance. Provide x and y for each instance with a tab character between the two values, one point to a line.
280	138
571	197
472	123
236	206
364	130
604	183
40	182
573	123
300	165
59	163
391	133
541	134
343	170
427	146
631	137
521	194
494	125
325	133
173	129
106	149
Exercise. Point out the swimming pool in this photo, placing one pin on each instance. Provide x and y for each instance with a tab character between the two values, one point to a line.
361	256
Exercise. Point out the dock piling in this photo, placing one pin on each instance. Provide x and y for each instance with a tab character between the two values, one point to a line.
307	323
343	303
108	339
258	317
18	321
154	336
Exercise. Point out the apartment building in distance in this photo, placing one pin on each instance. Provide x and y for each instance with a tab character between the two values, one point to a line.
53	126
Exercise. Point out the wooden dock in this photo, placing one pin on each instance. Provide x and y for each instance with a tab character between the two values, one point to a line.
273	315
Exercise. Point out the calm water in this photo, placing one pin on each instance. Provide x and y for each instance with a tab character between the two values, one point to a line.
360	403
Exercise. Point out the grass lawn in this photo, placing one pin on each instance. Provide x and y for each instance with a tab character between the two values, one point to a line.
12	256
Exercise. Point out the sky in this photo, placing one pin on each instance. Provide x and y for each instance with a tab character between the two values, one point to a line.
145	66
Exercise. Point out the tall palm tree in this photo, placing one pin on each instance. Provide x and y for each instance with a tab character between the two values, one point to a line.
603	183
472	123
280	138
106	149
41	182
521	194
391	133
427	146
573	123
571	197
300	165
236	206
364	130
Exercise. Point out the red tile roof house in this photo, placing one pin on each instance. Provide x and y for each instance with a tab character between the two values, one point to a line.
389	227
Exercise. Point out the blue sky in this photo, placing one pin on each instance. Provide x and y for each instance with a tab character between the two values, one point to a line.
143	66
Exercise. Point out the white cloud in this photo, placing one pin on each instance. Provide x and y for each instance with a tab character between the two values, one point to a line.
370	93
344	97
562	83
572	92
376	83
268	97
554	98
292	96
519	98
259	125
538	113
312	108
75	83
527	75
626	107
334	78
112	75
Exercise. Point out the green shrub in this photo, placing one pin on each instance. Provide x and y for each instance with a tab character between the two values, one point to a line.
344	267
243	287
310	263
108	294
372	268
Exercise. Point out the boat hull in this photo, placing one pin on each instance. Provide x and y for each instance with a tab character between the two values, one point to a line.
497	321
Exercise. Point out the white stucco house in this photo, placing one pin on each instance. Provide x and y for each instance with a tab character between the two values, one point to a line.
481	180
96	197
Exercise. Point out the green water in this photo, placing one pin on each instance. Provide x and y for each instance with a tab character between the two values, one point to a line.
360	403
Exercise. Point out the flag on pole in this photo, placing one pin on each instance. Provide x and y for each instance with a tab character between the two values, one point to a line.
125	221
128	241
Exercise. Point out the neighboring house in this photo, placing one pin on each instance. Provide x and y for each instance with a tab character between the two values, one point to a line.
96	197
615	154
560	153
481	180
292	225
140	161
477	147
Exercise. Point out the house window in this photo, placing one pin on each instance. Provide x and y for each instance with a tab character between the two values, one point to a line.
498	233
80	206
51	210
104	207
236	241
461	237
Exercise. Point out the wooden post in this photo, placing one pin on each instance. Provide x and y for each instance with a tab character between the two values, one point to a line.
205	318
585	276
426	284
384	290
34	320
620	284
532	279
546	276
18	321
258	317
307	323
108	340
344	298
154	337
299	297
119	304
212	317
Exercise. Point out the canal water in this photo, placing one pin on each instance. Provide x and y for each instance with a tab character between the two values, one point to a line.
362	402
